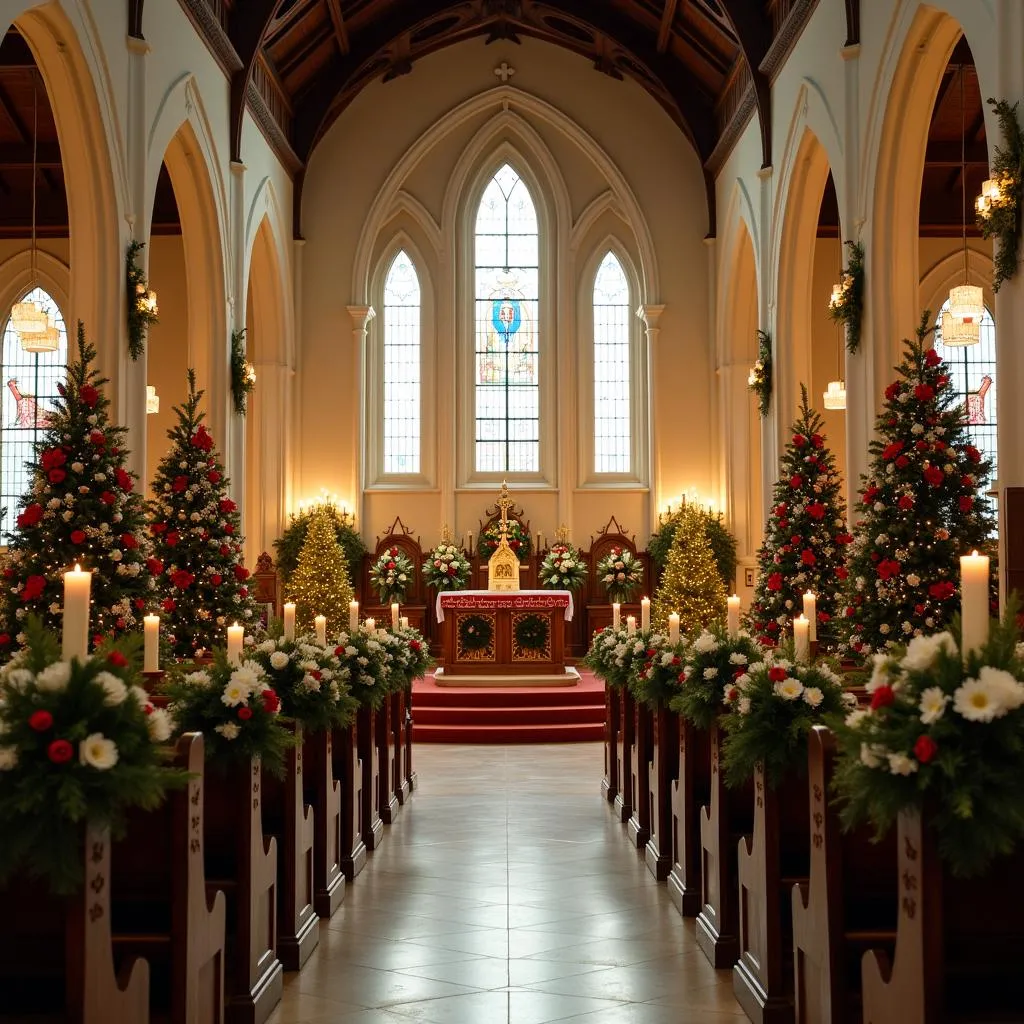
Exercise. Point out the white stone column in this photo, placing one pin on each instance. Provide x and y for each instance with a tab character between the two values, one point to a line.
361	317
271	411
220	402
766	317
739	416
650	315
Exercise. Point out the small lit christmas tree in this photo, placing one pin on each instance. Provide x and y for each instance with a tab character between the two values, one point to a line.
691	584
806	536
197	539
921	509
320	584
81	507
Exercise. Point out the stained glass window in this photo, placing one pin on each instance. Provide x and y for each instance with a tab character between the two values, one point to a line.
402	367
612	386
29	393
973	374
506	350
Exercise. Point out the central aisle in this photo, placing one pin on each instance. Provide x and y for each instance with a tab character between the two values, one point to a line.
506	893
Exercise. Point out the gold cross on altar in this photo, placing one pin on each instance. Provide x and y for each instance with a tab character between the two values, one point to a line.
504	503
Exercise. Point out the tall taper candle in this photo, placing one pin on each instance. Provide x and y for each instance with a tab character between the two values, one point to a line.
733	616
404	622
320	625
236	636
75	640
151	650
616	614
630	624
801	644
289	620
673	627
353	616
394	615
811	614
645	614
974	571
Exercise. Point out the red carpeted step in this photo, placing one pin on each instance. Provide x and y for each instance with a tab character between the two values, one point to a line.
578	715
508	734
498	696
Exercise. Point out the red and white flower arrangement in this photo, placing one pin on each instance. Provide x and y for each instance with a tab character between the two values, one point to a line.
563	568
391	575
621	574
446	568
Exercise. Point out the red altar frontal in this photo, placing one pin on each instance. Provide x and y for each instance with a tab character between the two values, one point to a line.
494	638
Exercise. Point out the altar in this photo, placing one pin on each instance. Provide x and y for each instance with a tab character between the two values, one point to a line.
504	638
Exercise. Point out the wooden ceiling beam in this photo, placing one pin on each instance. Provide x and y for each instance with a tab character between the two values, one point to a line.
665	28
338	22
7	109
17	156
947	154
750	23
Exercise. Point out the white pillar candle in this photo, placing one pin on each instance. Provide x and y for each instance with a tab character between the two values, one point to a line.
801	643
75	641
289	620
733	616
673	627
616	614
404	622
371	625
630	624
320	625
353	616
394	615
974	575
151	651
469	542
811	614
236	636
645	615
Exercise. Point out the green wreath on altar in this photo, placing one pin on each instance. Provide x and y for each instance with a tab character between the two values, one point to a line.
532	632
475	633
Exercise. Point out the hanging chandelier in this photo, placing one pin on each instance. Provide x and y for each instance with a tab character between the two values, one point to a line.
152	400
834	396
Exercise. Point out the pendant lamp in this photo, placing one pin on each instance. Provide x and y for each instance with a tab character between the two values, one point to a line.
152	400
835	393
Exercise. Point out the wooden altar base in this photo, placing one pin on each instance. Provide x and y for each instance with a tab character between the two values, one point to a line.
570	677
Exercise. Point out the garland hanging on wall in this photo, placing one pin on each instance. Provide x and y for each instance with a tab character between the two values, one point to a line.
998	207
760	379
243	376
142	308
848	309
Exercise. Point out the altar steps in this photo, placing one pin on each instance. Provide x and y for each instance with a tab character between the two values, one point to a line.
500	715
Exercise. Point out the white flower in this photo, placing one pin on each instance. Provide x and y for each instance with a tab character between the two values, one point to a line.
705	643
871	755
8	759
666	658
55	677
228	730
788	689
923	650
849	701
350	651
197	679
246	675
813	696
977	700
235	693
77	467
933	704
267	646
160	725
881	673
900	764
96	751
278	660
736	658
710	673
743	707
913	580
19	678
854	718
1009	691
884	628
114	690
310	683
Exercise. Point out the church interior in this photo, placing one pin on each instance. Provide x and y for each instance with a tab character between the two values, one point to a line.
510	513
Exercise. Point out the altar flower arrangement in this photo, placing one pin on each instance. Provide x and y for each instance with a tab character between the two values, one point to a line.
655	676
713	663
621	574
364	666
446	568
563	568
391	575
79	741
774	704
518	540
307	679
235	707
944	735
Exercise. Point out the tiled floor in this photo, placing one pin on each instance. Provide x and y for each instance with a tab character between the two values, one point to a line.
506	893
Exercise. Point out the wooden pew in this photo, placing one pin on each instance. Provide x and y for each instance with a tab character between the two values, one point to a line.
57	955
288	818
624	754
771	862
323	793
639	825
410	774
663	773
610	780
349	772
959	942
691	791
243	862
370	825
398	724
388	806
848	904
160	907
728	816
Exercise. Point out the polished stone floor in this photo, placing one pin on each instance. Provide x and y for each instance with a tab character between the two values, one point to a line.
507	894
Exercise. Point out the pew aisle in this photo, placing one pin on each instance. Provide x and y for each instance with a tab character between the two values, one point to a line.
504	894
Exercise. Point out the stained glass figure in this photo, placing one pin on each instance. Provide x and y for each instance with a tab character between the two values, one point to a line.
402	364
612	369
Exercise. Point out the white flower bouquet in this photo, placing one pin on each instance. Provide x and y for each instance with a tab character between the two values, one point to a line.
563	568
621	574
446	568
391	575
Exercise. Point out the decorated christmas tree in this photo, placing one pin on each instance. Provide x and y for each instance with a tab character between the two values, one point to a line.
690	584
806	536
81	507
921	508
197	540
320	584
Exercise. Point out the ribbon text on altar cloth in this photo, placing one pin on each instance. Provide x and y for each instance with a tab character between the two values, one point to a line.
489	601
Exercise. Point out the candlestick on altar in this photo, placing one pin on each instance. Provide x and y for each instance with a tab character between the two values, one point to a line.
469	543
289	620
353	616
151	649
394	614
673	627
811	614
236	637
801	644
320	625
404	622
645	615
75	639
733	616
974	620
616	613
630	624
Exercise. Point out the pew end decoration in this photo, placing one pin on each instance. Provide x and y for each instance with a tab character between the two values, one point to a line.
655	677
999	205
446	568
563	568
847	304
616	654
773	706
713	663
243	375
364	666
944	735
79	746
621	574
418	661
236	709
142	308
392	575
760	379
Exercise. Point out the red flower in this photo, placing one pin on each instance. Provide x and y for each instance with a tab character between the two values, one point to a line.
243	591
241	573
60	751
921	446
213	476
227	505
56	476
182	578
967	481
155	566
157	528
776	675
807	557
816	510
799	440
394	552
942	591
924	392
971	452
905	503
89	395
180	484
780	509
390	565
892	390
824	617
78	536
172	538
795	481
817	440
245	713
202	440
128	540
942	380
888	568
216	579
169	604
117	659
932	358
902	462
108	498
925	749
124	479
890	451
933	475
415	645
229	529
225	550
40	720
32	515
97	438
919	609
775	581
52	458
139	603
34	587
271	701
882	697
842	572
966	503
870	494
5	639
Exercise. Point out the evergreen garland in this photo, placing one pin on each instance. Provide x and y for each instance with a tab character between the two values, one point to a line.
475	633
243	380
760	379
850	310
1000	218
140	316
532	632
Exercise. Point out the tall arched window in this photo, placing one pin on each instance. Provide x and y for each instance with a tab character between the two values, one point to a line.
30	388
402	367
613	414
506	287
